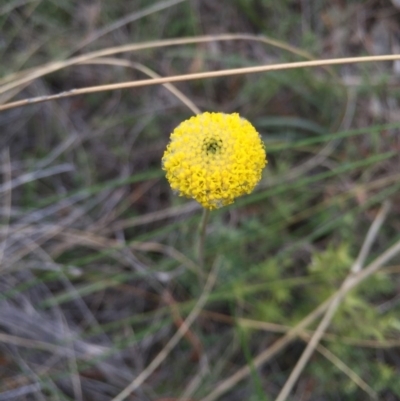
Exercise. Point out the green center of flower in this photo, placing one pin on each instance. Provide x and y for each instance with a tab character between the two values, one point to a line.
212	146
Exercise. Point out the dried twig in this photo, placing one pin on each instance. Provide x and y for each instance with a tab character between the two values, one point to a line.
173	341
199	75
334	304
280	344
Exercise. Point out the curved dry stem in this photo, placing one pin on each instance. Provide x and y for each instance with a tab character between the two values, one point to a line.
147	71
16	79
201	75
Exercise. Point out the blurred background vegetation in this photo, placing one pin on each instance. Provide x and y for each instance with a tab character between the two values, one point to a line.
98	263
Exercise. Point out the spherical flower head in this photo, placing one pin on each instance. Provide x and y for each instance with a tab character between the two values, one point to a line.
214	158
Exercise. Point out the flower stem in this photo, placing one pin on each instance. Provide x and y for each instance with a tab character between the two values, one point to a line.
202	237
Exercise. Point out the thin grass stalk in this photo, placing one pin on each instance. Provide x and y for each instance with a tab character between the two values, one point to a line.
201	75
201	240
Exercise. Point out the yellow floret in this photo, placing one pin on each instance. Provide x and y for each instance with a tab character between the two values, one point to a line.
214	158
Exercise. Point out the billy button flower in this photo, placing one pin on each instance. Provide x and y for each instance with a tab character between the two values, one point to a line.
214	158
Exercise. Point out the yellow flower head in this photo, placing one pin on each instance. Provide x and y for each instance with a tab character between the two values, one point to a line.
214	158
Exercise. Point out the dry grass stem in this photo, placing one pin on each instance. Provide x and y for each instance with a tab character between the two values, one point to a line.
16	79
334	304
279	328
345	369
105	283
162	5
140	67
139	380
280	344
200	75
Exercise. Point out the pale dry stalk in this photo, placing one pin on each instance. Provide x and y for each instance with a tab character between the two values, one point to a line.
280	344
